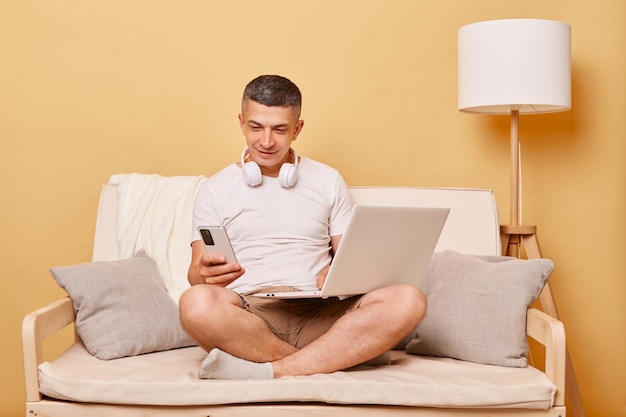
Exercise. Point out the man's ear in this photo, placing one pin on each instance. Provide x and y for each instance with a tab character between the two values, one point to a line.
241	125
298	129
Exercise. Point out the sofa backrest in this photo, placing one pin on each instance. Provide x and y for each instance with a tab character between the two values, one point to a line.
472	226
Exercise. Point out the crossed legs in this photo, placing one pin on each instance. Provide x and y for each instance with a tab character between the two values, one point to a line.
214	317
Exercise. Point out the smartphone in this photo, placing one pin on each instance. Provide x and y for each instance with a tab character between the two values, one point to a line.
216	240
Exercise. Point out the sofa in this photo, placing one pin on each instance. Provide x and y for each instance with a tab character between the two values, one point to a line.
130	357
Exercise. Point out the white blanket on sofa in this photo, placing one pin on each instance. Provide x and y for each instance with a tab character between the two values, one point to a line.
154	214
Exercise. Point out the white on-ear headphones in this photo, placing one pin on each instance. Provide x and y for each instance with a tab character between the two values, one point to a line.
287	176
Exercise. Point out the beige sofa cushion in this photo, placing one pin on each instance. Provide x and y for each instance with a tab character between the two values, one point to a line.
477	307
122	308
171	378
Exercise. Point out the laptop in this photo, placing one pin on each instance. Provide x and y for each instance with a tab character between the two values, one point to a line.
382	246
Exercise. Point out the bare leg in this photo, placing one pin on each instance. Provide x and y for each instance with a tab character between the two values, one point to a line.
384	317
214	317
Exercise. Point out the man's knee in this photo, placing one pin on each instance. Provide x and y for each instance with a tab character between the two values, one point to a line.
202	301
191	305
407	301
417	299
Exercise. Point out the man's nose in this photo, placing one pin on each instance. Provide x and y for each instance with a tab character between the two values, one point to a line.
267	140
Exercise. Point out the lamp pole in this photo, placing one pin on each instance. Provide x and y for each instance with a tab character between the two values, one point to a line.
515	218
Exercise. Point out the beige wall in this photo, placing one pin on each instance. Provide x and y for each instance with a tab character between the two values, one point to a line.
93	88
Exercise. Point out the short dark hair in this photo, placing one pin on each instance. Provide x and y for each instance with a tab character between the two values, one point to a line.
273	90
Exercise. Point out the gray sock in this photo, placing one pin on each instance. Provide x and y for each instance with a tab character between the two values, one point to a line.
221	365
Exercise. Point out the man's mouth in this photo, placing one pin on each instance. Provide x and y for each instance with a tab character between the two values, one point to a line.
265	153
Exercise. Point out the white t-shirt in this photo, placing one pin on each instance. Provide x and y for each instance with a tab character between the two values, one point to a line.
280	235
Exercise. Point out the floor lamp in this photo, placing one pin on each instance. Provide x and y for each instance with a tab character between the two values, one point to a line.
513	67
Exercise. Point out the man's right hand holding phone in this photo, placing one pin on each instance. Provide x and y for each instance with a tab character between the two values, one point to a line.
215	271
211	268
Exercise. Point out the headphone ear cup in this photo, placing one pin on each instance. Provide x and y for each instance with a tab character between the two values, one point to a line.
251	174
288	175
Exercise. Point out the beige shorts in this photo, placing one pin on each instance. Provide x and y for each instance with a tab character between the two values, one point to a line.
298	321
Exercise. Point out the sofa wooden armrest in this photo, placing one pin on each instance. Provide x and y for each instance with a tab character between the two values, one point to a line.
550	333
36	327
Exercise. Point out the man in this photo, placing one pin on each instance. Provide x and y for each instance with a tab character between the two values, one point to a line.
285	216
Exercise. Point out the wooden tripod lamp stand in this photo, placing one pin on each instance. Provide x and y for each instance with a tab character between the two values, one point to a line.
513	67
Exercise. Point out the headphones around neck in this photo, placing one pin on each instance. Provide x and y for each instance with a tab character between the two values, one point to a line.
287	176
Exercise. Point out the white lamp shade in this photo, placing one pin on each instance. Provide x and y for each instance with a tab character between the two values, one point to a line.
514	64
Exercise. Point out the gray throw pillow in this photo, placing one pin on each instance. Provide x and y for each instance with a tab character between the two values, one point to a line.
122	308
477	307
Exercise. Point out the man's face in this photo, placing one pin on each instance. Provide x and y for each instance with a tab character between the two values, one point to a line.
269	132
